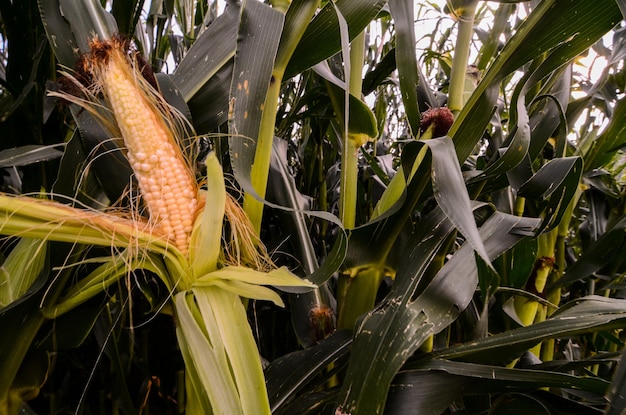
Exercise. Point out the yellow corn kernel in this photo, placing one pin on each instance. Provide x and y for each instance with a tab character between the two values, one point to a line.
165	179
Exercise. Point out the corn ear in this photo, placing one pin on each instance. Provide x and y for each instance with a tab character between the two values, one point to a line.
165	179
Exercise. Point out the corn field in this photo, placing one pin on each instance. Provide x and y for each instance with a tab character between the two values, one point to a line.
345	207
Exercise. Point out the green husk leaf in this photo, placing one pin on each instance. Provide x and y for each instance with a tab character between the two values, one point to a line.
277	277
206	237
245	290
51	221
224	312
20	269
209	376
105	275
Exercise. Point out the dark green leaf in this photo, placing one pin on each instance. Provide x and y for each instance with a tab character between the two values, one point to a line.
556	182
210	53
87	19
402	13
25	155
622	6
394	330
585	315
449	381
603	251
321	39
260	28
361	120
617	393
288	374
59	32
450	191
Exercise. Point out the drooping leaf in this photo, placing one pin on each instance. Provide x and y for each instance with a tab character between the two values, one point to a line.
288	374
449	381
282	190
585	315
406	59
578	21
25	155
556	182
390	333
361	120
450	192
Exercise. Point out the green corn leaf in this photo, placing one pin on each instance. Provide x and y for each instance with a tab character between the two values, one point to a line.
605	250
322	40
406	60
70	25
556	182
361	120
585	315
579	21
449	381
20	269
401	324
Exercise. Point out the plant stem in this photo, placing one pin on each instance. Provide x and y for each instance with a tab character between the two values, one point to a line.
357	292
263	155
349	182
554	295
297	19
520	203
357	295
349	155
461	56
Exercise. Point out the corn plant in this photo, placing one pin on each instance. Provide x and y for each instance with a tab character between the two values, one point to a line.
454	212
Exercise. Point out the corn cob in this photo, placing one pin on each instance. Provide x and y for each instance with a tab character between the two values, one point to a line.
165	179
